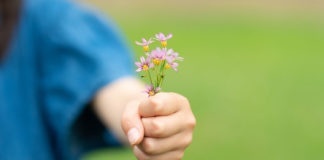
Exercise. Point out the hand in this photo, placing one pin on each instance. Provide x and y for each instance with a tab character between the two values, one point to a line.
159	127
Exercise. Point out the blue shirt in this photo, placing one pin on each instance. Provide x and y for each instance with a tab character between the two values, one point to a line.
61	54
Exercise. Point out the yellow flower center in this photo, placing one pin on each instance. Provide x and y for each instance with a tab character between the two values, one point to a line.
145	67
167	66
146	48
156	61
151	93
164	43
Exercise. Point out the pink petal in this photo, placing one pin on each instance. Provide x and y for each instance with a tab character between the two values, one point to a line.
138	64
142	59
169	36
174	66
180	58
150	41
160	36
170	51
138	43
169	59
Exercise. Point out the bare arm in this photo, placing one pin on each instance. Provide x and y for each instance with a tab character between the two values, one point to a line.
111	100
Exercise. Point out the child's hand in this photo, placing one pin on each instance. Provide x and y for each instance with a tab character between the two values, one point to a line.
159	127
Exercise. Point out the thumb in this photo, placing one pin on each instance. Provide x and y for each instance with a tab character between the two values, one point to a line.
132	124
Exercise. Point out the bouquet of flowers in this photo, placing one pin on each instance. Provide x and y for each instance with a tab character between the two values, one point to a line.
155	63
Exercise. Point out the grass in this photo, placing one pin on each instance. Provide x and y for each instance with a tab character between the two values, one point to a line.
256	84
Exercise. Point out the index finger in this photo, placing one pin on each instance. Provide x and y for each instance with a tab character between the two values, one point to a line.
161	104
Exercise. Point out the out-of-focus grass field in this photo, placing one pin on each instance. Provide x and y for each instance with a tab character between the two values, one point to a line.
255	82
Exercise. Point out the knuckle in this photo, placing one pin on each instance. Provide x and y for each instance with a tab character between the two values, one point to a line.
140	155
179	155
191	122
183	100
187	140
156	105
157	128
143	157
148	146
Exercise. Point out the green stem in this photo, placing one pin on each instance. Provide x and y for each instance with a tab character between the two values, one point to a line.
161	75
157	78
161	82
149	74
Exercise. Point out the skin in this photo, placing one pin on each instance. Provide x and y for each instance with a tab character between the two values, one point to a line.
157	128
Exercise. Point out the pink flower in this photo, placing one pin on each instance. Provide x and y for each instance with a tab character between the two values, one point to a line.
144	64
145	44
172	58
158	55
163	39
151	91
171	64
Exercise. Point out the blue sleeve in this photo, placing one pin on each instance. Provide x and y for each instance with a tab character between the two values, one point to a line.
80	53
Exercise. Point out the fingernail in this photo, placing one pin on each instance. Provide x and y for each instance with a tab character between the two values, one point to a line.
133	135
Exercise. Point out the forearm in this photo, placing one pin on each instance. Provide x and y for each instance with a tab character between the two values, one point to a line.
111	100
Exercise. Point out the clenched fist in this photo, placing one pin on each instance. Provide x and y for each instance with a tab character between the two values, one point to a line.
159	127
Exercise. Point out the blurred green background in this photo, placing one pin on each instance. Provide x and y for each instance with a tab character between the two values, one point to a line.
253	71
